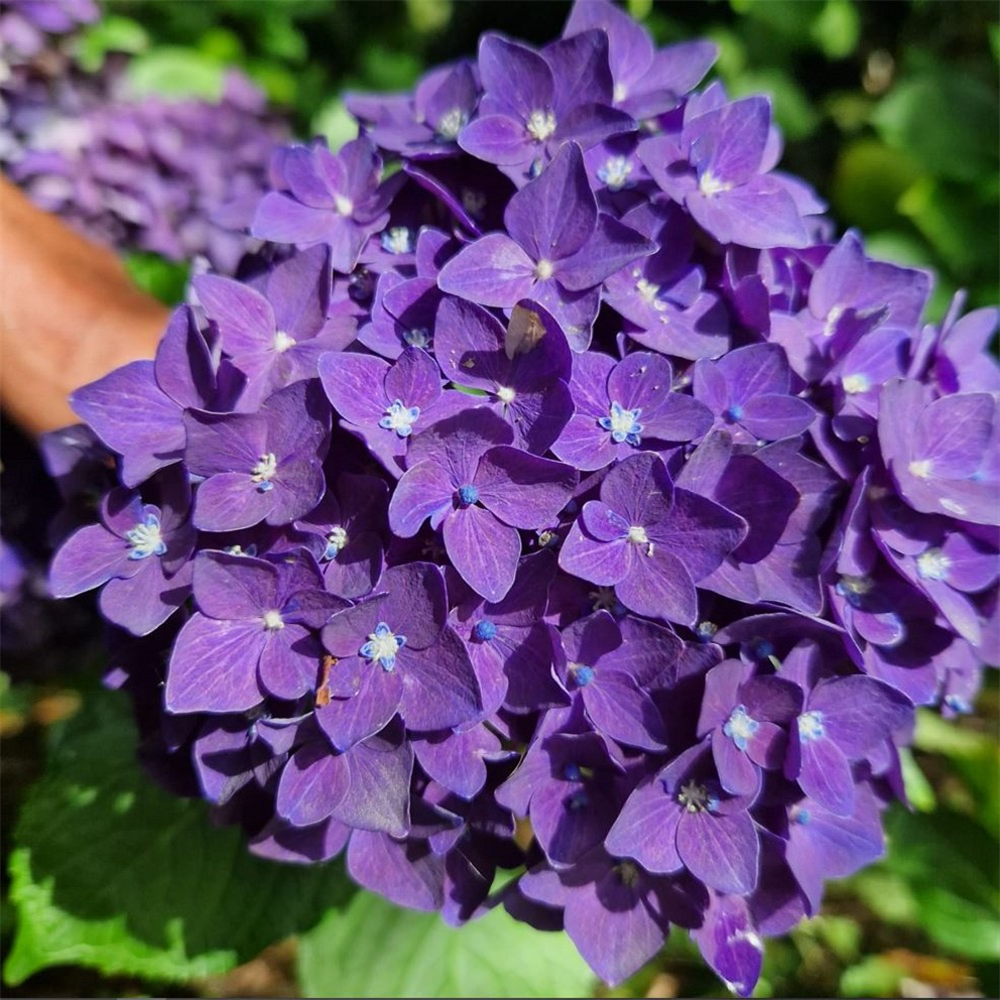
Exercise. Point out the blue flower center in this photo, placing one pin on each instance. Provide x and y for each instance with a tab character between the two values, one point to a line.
335	542
734	414
740	728
572	772
578	800
145	538
467	495
264	471
811	727
484	630
382	646
400	418
763	649
623	424
582	674
801	816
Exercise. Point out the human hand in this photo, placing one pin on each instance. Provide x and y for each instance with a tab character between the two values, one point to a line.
68	314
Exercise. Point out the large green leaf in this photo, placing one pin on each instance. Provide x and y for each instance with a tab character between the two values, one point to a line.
946	120
375	949
112	873
950	865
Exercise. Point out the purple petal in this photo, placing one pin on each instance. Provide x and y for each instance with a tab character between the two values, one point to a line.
722	851
483	550
213	666
493	271
524	490
440	689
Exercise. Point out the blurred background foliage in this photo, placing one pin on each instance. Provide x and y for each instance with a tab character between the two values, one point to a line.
891	110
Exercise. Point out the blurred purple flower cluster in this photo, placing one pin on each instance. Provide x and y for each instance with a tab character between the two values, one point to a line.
171	177
565	501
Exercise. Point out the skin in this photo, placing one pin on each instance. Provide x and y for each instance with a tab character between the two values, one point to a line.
69	314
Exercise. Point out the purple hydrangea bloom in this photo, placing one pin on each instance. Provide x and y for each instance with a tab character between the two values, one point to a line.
252	636
276	340
616	914
334	199
942	452
428	123
139	554
467	479
749	391
624	408
264	466
559	250
138	410
682	819
650	541
529	389
646	82
719	169
620	598
394	653
747	717
386	403
348	527
533	103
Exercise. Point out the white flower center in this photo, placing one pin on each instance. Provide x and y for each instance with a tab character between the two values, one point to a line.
541	125
400	418
506	394
637	536
273	621
544	270
921	468
854	384
620	93
452	122
282	341
933	565
397	240
710	185
335	541
857	585
811	726
832	318
146	539
343	204
648	292
740	727
265	469
615	172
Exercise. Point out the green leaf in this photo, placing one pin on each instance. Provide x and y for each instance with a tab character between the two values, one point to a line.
963	230
375	949
176	72
946	120
951	866
868	181
837	28
111	873
335	123
111	34
918	788
428	16
163	279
